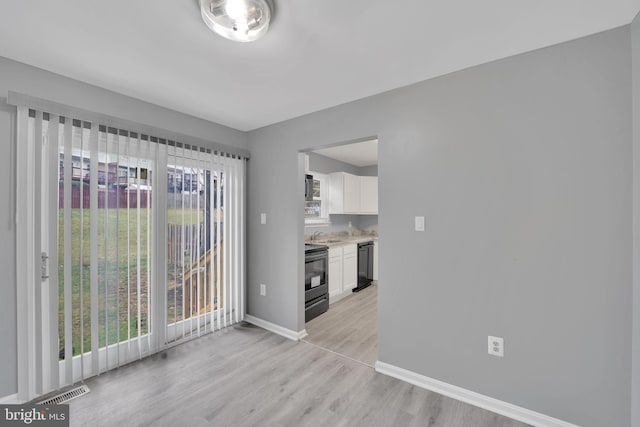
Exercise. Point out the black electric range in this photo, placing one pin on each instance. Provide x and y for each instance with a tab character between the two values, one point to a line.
316	280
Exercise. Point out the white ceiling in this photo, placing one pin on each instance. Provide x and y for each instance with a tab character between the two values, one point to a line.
317	54
358	154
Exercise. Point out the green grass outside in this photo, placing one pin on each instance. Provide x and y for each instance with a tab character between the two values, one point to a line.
118	261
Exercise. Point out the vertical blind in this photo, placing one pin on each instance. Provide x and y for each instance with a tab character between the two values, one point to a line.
205	227
144	242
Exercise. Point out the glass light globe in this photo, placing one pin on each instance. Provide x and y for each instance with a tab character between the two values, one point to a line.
237	20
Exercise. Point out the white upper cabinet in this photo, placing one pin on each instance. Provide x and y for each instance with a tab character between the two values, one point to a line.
352	194
369	194
342	190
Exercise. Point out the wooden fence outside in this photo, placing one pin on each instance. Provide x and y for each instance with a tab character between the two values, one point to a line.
117	198
114	198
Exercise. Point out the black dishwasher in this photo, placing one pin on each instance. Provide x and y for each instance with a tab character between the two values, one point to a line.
365	265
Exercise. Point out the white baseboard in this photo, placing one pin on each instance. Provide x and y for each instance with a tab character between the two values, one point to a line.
276	329
12	399
476	399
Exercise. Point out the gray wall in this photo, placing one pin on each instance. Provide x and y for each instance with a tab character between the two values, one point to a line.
36	82
324	164
635	55
368	171
368	222
523	170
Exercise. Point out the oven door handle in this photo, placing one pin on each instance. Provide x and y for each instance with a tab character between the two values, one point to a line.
320	301
312	258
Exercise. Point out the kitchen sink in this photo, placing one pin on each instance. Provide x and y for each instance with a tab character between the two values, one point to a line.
328	241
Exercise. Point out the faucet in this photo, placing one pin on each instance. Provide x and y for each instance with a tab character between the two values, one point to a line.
316	234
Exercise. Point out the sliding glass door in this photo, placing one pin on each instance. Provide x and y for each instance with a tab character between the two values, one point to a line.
101	215
139	244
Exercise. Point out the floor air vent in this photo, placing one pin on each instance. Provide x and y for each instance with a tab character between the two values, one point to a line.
66	396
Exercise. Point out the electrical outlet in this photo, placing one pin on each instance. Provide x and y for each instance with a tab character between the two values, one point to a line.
496	346
419	223
263	289
263	218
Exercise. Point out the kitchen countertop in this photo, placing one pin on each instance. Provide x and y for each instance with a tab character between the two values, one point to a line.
332	242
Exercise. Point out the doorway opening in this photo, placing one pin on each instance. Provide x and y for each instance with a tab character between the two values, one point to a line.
341	214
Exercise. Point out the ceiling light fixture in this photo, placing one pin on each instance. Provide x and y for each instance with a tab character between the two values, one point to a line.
237	20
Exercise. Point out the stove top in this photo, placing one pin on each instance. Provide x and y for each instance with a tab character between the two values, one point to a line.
309	248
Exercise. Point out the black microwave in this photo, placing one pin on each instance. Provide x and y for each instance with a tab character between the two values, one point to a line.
308	188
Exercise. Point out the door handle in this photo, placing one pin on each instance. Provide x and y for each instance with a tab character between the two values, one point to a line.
44	266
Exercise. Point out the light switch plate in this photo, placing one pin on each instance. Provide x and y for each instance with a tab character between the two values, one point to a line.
419	223
263	218
263	289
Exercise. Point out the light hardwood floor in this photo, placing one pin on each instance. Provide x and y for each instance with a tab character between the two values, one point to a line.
349	327
246	376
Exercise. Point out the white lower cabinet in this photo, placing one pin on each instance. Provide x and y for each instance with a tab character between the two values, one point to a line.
343	271
335	273
350	267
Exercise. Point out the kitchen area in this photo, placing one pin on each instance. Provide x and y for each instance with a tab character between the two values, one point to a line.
341	249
